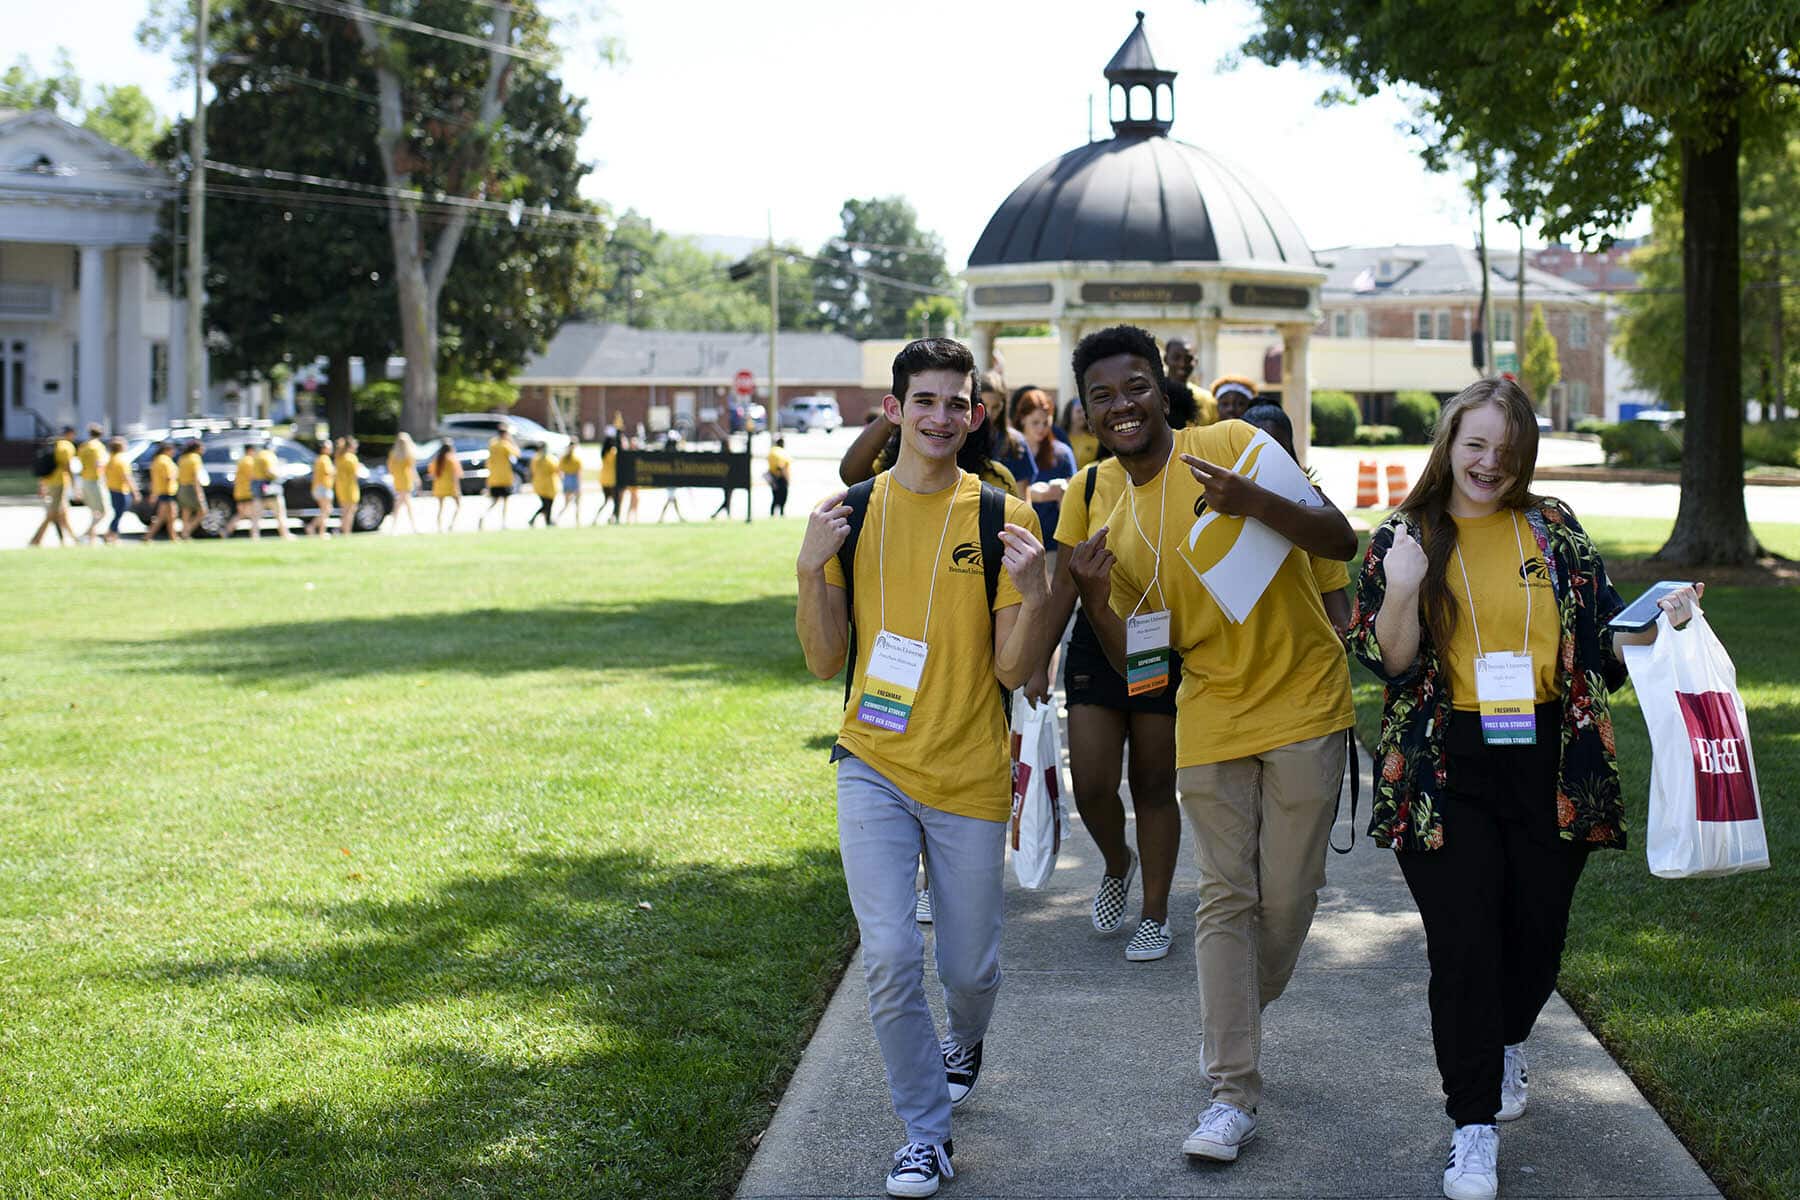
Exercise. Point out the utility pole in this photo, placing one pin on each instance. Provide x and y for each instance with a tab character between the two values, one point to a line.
196	280
1485	334
774	325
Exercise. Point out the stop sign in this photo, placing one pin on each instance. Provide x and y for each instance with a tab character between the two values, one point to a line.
744	383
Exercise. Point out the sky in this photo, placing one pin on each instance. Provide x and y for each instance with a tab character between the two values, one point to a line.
722	117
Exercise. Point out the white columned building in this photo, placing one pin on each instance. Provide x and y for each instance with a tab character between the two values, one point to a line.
1145	230
87	335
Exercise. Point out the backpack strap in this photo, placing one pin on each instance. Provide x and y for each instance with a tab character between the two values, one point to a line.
858	500
1087	494
991	519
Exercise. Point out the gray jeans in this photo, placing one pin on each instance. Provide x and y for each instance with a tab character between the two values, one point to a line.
881	832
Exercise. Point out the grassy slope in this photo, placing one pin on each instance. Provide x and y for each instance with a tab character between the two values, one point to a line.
409	867
1695	985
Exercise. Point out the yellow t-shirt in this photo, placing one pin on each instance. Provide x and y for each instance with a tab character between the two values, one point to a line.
347	485
189	468
954	755
92	454
402	470
570	463
323	471
1330	574
1209	408
1280	677
64	454
118	474
779	462
162	475
1077	519
500	472
996	473
1086	447
1504	585
265	466
445	480
609	467
241	477
543	476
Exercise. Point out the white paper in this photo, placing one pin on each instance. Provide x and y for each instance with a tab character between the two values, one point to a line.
1235	557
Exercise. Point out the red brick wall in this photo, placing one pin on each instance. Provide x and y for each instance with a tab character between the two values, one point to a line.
599	404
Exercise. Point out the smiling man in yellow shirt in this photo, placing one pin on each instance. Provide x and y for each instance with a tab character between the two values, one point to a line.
1260	715
922	752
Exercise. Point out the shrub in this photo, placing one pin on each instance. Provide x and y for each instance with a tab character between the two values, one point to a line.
1377	435
377	407
1639	444
460	394
1416	414
1335	417
1774	444
1592	425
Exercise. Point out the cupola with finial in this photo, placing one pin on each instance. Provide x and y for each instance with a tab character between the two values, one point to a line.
1140	96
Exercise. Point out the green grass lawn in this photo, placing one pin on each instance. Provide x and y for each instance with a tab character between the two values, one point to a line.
17	481
1694	985
410	867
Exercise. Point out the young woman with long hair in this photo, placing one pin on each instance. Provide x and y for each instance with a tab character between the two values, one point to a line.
403	469
1051	460
446	483
1483	607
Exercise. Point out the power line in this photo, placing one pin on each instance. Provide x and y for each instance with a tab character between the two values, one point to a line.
353	13
512	209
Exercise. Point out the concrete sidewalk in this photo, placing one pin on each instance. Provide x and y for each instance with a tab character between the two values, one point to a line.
1092	1075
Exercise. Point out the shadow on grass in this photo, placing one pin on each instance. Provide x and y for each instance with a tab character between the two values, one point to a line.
673	999
729	640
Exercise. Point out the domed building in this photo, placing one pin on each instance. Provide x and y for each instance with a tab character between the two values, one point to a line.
1144	229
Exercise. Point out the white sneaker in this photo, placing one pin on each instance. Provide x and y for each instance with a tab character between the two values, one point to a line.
1473	1172
1514	1086
1222	1130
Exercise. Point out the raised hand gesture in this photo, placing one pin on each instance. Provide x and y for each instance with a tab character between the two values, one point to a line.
826	528
1024	561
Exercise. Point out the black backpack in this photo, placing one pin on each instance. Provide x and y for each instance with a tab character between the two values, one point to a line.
43	464
990	519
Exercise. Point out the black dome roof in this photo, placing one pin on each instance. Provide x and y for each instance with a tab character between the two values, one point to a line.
1140	197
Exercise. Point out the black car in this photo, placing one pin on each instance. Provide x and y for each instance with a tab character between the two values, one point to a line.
219	452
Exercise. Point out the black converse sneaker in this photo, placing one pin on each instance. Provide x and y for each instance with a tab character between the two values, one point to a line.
917	1166
962	1067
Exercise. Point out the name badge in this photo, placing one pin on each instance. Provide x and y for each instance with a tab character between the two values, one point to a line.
1506	692
1147	653
891	682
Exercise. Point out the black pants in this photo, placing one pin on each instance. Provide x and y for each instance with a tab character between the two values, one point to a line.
1495	900
545	504
778	497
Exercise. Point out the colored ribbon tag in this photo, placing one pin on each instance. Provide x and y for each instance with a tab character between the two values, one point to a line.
891	682
1147	653
1506	693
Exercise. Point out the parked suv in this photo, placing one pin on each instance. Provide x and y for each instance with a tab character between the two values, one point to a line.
805	413
525	431
219	452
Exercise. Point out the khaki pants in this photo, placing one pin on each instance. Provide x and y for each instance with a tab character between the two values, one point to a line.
1260	825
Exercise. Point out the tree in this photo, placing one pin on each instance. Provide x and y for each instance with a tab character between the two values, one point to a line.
653	279
930	315
1581	107
865	281
1539	368
123	116
296	271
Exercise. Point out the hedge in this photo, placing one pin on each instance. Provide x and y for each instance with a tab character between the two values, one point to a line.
1378	435
1416	414
1335	417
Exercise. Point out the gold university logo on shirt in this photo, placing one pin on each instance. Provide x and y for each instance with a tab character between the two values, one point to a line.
966	559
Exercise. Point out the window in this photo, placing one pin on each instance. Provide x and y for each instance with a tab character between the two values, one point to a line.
159	372
1340	324
565	407
1503	325
1428	325
1443	324
1422	326
1578	399
1578	331
1359	324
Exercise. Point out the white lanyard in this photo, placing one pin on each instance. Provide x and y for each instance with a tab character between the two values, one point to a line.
1470	592
1162	508
882	561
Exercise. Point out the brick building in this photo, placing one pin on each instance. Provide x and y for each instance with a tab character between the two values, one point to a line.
1432	294
661	378
1605	270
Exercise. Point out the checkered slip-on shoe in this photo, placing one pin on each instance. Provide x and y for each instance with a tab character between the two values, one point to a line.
922	907
1149	943
1110	896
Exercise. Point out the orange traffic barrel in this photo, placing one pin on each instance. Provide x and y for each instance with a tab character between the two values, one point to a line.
1368	488
1397	488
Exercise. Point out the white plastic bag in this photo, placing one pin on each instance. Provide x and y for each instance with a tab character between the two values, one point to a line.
1037	812
1705	807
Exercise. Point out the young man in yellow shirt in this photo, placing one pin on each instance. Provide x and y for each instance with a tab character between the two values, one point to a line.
502	450
780	468
1260	713
93	456
543	485
54	488
922	754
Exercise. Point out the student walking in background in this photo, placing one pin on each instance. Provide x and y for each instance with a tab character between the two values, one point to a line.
268	488
348	484
569	467
1478	596
609	477
162	492
446	483
54	488
120	485
502	482
93	458
544	485
780	469
1050	460
324	491
403	469
190	490
246	504
1081	439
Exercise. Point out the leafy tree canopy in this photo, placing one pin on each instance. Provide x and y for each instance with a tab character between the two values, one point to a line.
123	115
867	280
653	279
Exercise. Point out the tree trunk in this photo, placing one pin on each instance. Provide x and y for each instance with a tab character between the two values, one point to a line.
1711	526
340	410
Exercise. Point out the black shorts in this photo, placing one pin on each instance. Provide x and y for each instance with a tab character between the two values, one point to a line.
1089	679
499	490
